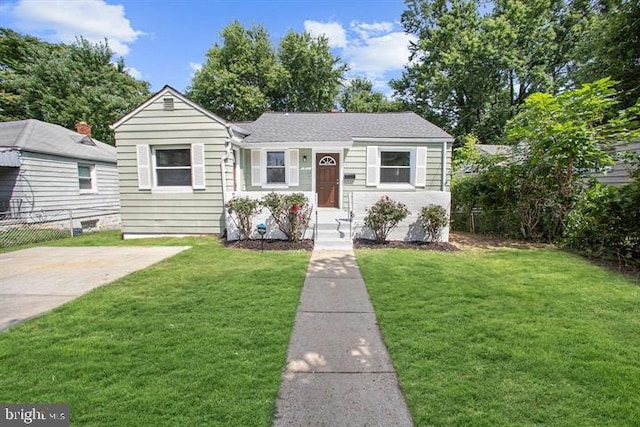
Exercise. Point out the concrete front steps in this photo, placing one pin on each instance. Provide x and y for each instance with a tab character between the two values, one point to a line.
332	230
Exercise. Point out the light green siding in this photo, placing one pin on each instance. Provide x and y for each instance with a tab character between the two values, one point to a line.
153	212
305	172
355	162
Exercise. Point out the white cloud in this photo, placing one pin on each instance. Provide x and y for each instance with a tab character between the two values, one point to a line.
333	31
64	20
379	55
365	30
133	72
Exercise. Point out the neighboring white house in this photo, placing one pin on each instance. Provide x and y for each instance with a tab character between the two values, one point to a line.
618	174
179	164
49	173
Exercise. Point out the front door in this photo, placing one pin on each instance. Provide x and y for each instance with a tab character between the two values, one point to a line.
328	180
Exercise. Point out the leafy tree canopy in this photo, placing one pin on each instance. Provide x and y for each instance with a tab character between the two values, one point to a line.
65	83
358	96
472	69
245	76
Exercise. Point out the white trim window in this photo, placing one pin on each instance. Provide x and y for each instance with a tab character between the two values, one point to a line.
87	178
396	166
172	168
275	168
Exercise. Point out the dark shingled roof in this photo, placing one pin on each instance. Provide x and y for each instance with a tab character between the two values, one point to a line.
337	127
40	137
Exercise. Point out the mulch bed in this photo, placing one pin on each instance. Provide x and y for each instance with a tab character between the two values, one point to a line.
307	245
423	246
270	245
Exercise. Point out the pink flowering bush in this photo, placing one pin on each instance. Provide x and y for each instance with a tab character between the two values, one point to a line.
384	216
291	212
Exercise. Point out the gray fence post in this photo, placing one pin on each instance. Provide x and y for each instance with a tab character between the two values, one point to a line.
71	222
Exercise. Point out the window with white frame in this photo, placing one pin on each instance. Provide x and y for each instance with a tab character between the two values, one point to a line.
86	177
395	167
276	169
172	166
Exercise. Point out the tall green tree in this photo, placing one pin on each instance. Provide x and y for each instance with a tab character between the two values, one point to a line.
358	96
312	74
473	67
611	48
238	78
245	76
65	83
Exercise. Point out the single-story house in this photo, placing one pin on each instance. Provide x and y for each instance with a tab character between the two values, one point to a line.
49	173
179	164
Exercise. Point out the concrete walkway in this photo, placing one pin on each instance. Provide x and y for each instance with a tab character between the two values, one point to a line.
339	372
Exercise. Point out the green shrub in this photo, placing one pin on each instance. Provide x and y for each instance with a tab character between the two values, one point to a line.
242	210
291	212
605	223
434	218
384	216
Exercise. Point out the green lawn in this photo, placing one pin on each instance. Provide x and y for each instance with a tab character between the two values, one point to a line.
508	337
198	339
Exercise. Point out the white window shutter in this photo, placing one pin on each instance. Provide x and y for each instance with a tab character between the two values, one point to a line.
294	169
420	169
373	165
198	178
256	155
144	167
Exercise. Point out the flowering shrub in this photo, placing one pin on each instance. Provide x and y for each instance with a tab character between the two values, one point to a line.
242	210
384	216
434	218
290	211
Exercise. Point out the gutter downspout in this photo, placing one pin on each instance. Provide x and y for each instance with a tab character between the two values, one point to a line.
443	166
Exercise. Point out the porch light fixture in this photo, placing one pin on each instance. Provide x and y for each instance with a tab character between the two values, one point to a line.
262	230
304	159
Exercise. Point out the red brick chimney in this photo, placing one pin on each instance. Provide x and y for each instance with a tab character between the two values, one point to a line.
83	128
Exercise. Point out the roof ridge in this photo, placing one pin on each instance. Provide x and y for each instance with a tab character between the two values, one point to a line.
27	129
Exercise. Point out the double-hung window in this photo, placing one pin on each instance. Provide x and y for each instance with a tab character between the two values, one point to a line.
86	177
276	171
395	167
172	167
275	168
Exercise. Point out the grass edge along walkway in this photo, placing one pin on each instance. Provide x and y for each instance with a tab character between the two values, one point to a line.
508	337
198	339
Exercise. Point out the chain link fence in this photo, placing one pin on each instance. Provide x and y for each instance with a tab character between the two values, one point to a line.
23	228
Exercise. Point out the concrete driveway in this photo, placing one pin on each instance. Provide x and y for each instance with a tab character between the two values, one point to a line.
36	280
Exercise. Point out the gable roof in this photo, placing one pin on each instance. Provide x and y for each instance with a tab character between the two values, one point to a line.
340	127
494	149
168	90
46	138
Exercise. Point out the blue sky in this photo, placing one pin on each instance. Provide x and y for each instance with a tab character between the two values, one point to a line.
164	41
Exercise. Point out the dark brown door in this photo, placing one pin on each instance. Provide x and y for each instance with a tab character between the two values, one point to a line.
327	180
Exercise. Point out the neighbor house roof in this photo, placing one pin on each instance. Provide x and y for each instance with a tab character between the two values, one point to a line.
340	127
46	138
494	149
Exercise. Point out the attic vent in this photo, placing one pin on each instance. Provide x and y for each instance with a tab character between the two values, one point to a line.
168	104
